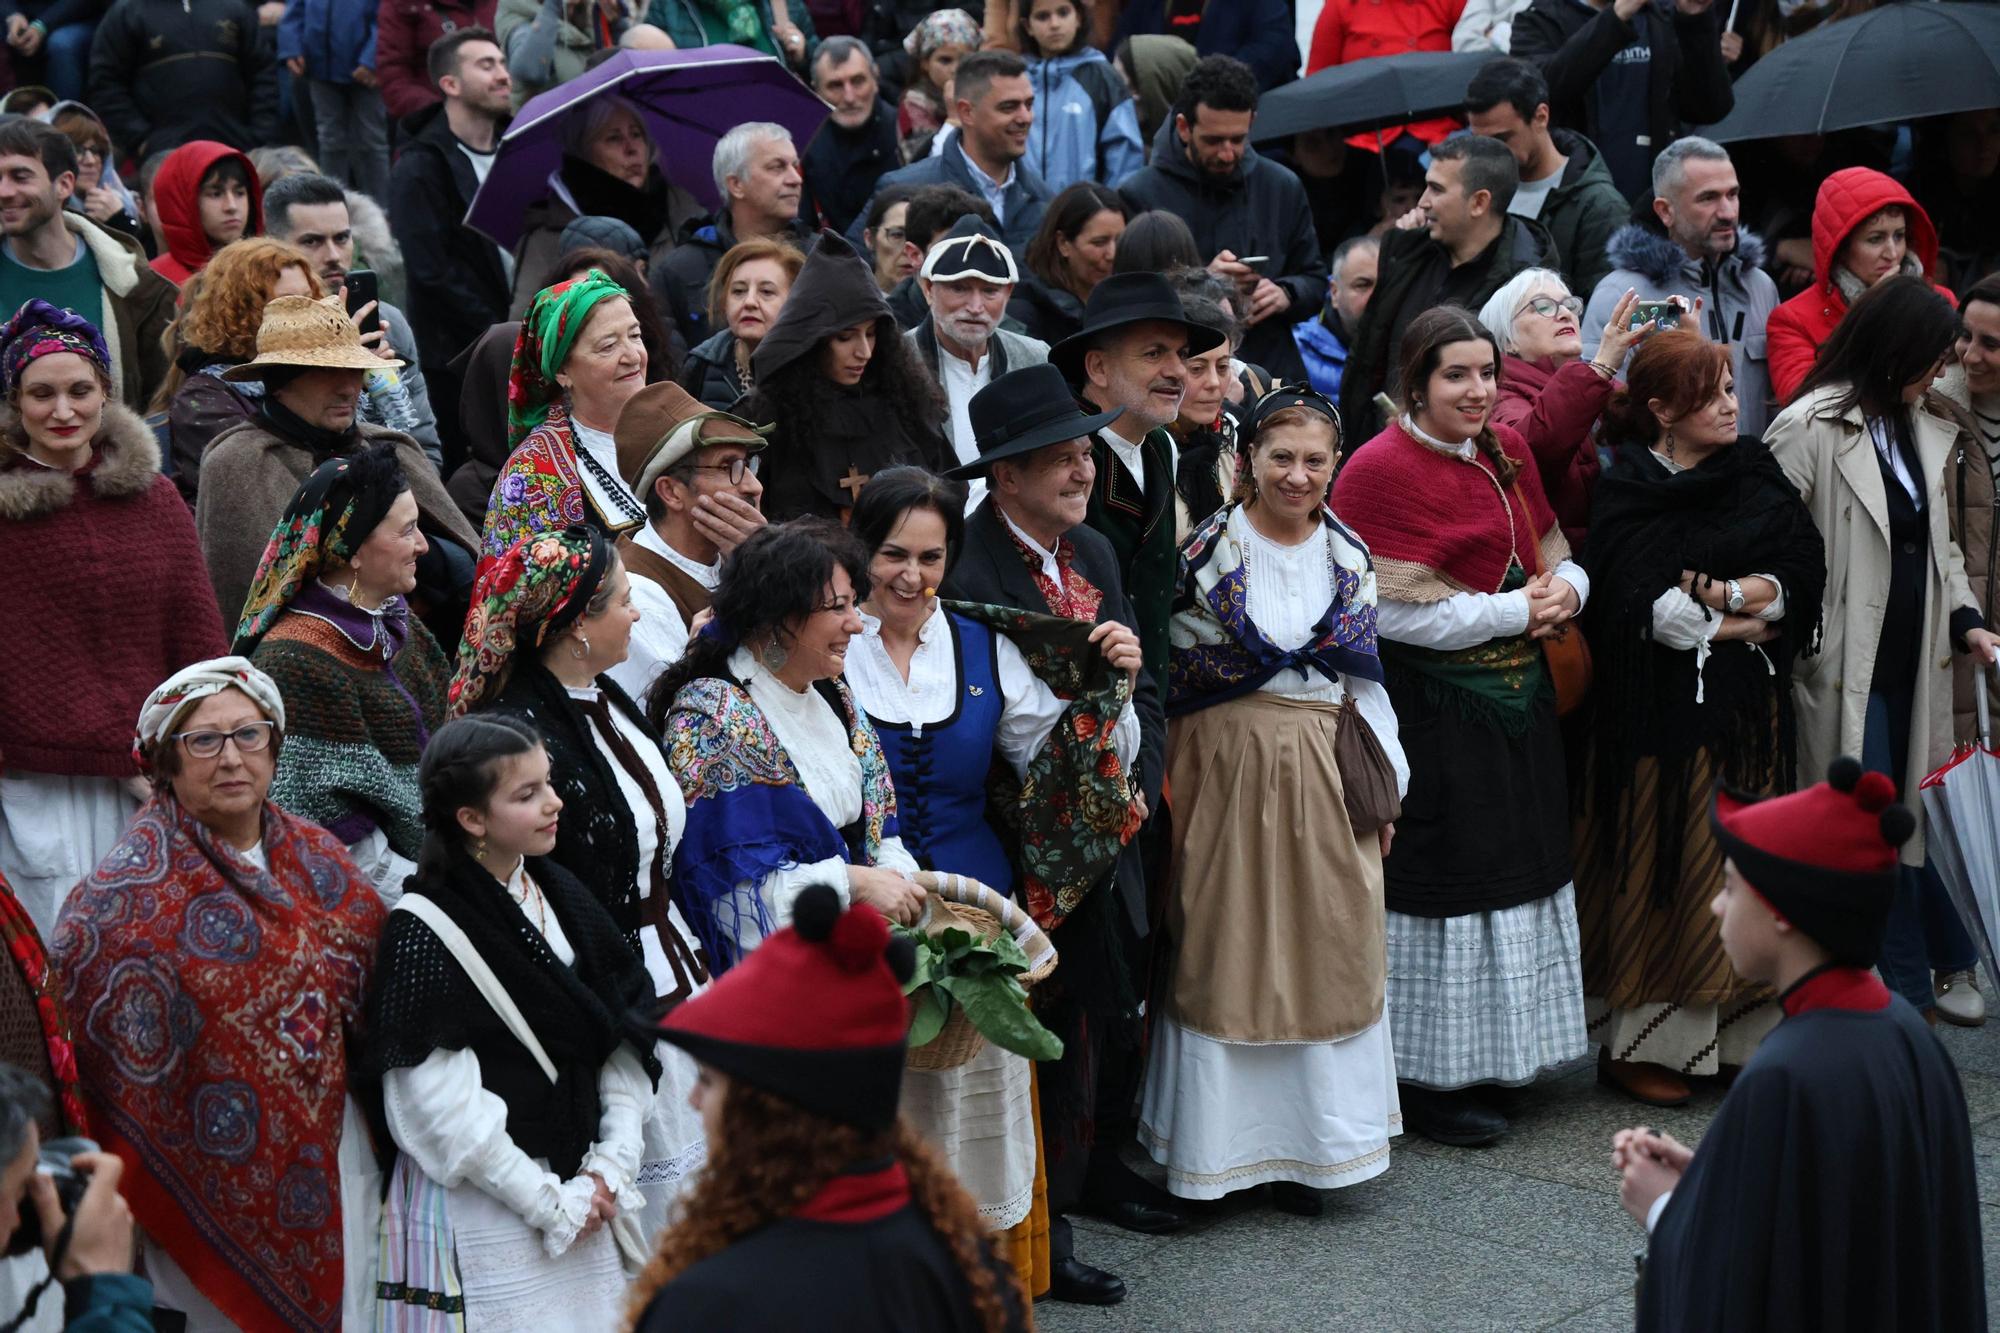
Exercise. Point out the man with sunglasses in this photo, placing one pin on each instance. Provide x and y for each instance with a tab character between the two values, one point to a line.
695	469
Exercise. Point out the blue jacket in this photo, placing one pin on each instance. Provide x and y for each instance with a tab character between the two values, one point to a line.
1026	197
1257	32
1324	353
335	36
1068	142
108	1303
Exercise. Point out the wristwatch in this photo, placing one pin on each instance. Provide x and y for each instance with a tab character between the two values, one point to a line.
1733	595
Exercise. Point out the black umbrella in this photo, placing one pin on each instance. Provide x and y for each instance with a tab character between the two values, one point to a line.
1370	94
1899	62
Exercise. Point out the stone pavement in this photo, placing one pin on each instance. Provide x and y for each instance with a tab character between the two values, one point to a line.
1525	1235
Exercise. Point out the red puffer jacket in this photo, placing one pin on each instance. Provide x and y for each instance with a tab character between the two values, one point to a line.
1846	200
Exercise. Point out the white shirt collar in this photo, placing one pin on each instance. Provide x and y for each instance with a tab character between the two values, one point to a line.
1464	450
1051	567
871	626
648	537
991	186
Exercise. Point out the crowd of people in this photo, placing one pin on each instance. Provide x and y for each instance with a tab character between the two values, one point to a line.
495	719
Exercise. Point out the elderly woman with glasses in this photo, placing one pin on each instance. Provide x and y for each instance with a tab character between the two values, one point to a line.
1548	392
214	966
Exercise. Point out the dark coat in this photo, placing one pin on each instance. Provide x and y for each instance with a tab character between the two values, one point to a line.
1141	530
163	73
1257	32
709	372
1045	312
680	280
458	285
990	569
1258	209
1581	212
404	31
1409	264
841	166
1027	194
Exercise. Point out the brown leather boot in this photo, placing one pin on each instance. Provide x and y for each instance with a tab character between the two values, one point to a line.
1642	1081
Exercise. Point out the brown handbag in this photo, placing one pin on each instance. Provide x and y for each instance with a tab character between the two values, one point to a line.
1566	654
1367	778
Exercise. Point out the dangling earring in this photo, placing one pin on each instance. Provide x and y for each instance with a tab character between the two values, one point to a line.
581	648
479	850
1670	443
773	656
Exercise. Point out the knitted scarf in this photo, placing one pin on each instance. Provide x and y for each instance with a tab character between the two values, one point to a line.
214	1003
548	335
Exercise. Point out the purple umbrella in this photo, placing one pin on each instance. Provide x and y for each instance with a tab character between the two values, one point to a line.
688	101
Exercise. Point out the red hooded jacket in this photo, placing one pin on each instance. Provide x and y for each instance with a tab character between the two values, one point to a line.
177	196
1846	200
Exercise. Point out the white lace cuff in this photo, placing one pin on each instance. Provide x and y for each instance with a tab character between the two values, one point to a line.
621	1181
561	1212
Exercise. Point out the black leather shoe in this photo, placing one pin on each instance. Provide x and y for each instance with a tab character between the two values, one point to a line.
1077	1283
1288	1196
1455	1118
1143	1218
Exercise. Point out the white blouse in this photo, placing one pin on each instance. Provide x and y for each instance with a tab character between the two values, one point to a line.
816	741
619	506
441	1114
1468	619
661	636
1029	709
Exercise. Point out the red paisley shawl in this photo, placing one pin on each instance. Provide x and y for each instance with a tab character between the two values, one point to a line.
213	1004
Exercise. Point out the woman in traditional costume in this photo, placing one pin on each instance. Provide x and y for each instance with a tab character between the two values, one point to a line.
1472	571
215	966
578	360
548	621
785	780
497	1026
328	619
1709	572
950	689
1271	1062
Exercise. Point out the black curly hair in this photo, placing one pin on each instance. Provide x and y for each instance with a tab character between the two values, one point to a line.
794	396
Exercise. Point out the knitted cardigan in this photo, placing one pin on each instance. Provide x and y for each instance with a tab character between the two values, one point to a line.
354	730
108	597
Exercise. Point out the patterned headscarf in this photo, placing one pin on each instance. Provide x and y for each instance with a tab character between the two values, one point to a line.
166	706
331	514
541	585
39	329
548	332
947	27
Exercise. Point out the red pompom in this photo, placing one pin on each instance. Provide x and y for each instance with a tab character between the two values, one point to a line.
1874	792
859	938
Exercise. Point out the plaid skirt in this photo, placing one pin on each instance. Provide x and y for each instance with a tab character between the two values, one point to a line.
1489	997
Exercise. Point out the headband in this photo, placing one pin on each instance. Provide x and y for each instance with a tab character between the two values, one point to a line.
39	329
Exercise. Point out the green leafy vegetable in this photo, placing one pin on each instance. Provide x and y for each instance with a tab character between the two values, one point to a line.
956	967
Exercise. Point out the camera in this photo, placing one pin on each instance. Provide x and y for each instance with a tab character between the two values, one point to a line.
55	1163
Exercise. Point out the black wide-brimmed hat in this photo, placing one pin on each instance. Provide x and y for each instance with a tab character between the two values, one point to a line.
1025	410
1124	299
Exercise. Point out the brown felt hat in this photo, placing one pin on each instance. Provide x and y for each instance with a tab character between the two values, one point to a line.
663	423
302	333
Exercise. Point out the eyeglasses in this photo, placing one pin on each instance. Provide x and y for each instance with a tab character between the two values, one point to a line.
890	233
249	738
1546	307
735	467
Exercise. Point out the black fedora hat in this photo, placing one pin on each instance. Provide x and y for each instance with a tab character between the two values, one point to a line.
1025	410
1123	299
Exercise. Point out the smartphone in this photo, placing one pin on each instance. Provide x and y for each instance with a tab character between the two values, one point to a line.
361	289
1254	259
1663	315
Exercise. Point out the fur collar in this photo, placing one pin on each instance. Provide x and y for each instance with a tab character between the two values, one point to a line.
117	267
128	461
1645	248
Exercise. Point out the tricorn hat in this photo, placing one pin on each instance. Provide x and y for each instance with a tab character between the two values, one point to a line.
303	334
1124	299
662	424
971	249
1025	410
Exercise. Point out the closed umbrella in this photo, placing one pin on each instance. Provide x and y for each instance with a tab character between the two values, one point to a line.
1371	94
688	101
1962	833
1898	62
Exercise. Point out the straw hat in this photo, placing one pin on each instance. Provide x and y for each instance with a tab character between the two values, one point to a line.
308	335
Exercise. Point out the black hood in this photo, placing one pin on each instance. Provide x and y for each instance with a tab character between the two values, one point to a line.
1170	155
835	290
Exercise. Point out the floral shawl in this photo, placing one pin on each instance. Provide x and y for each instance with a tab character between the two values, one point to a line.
213	1004
24	946
1217	651
748	814
539	490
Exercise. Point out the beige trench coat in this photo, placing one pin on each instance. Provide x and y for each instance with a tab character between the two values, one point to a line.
1831	458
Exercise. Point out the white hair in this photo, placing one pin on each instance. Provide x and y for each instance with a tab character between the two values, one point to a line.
1500	308
733	150
1670	167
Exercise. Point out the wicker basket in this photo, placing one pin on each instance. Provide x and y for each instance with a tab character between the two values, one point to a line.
949	906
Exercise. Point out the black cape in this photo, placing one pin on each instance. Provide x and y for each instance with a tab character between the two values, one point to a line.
1835	1191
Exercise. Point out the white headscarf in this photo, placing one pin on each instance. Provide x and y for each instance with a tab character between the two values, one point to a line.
165	706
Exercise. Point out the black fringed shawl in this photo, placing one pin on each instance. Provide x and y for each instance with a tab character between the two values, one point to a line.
1734	515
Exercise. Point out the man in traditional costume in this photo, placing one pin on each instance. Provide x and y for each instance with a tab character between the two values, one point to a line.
1836	1189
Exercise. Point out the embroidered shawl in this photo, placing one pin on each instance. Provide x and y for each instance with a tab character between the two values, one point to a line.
1217	651
540	491
749	815
1071	816
213	1005
31	964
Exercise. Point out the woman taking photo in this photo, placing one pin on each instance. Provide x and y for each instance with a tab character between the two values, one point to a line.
514	1101
1869	460
1709	573
1071	253
1271	1062
818	1198
759	696
744	297
1472	572
328	618
247	1164
81	496
578	361
1548	392
548	621
843	389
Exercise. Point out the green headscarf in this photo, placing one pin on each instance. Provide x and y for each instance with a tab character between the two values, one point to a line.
548	333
